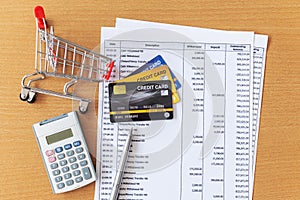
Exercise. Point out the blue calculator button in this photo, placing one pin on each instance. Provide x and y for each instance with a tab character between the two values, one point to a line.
58	149
86	173
65	169
54	165
56	172
83	163
60	185
76	172
68	146
70	153
58	179
67	176
81	157
72	159
77	143
70	182
74	166
78	179
63	162
61	156
79	150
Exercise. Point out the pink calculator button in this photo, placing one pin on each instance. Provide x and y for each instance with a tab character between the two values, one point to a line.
52	159
49	153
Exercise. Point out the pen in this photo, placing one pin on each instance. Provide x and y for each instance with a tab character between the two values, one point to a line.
118	180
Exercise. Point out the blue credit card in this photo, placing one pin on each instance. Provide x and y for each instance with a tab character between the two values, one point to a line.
157	62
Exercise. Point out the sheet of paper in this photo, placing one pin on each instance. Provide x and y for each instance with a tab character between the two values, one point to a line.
189	153
260	49
259	60
137	24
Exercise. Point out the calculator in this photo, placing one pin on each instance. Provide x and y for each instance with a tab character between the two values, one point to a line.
65	153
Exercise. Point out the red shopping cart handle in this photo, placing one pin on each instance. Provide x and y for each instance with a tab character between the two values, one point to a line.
40	15
110	68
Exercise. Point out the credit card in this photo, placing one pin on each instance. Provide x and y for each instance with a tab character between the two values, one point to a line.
157	62
155	74
140	101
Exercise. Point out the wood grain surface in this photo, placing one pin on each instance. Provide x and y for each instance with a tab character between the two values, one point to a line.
22	174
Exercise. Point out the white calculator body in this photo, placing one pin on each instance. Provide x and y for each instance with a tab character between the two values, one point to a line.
65	153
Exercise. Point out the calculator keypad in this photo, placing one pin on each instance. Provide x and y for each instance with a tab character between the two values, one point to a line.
68	164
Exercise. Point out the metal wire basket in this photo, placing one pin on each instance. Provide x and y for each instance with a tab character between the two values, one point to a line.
60	58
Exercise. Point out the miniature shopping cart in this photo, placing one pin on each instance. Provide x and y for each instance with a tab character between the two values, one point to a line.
60	58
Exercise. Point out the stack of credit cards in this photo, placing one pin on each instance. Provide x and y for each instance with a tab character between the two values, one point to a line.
146	94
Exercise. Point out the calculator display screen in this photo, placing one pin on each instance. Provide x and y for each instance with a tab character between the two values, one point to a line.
59	136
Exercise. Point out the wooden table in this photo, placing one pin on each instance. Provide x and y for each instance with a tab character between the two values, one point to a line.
22	174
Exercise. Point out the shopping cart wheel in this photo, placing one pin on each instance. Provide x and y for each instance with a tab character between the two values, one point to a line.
24	94
82	111
83	107
31	97
23	97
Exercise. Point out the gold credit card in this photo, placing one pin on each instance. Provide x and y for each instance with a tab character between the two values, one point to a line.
155	74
